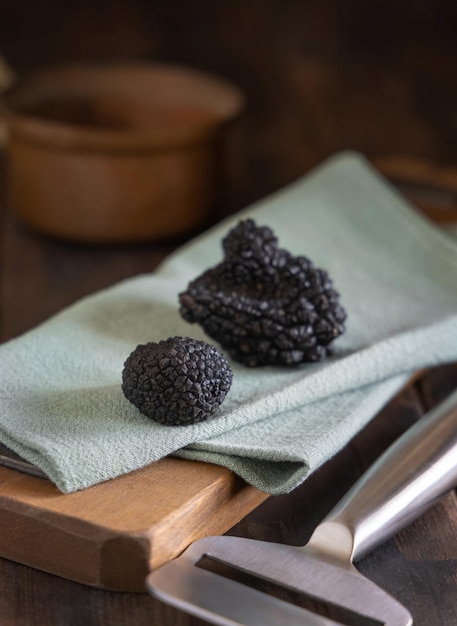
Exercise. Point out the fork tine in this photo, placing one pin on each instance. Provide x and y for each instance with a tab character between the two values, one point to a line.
225	602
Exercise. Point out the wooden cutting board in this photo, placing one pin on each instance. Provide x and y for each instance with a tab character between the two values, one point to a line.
111	535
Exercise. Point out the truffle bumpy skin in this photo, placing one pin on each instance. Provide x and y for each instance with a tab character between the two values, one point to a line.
264	305
177	381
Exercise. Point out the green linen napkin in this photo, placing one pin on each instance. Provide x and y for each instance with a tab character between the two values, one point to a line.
61	403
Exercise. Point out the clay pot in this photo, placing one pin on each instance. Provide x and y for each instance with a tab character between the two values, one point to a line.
115	153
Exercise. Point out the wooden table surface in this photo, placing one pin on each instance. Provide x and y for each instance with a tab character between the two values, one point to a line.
319	77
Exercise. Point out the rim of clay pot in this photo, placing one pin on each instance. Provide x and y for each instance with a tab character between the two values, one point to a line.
120	107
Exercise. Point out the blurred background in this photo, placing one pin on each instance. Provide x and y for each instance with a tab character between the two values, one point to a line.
319	76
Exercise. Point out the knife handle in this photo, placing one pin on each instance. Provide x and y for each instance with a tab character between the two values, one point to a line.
404	482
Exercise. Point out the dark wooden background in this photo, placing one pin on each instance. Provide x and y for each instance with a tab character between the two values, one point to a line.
320	76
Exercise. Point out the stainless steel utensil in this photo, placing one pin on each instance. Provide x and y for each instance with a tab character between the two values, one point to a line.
406	480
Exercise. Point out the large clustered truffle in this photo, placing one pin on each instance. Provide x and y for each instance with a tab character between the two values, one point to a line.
262	304
177	381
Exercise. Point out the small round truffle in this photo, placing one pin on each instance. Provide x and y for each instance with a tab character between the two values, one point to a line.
177	381
263	305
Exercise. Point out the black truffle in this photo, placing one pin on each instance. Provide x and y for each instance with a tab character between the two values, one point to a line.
177	381
264	305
